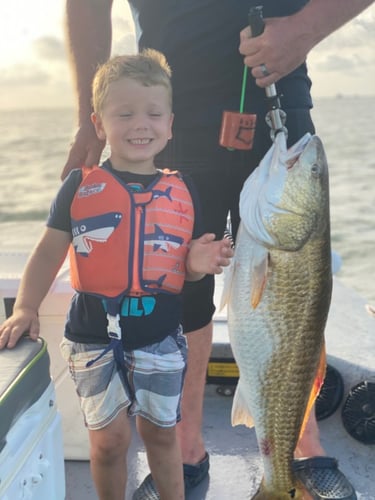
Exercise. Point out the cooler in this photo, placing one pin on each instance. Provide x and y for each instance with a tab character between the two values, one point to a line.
52	315
31	448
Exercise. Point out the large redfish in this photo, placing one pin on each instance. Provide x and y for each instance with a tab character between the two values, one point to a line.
278	297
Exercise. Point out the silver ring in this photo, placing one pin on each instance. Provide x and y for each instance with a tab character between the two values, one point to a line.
264	70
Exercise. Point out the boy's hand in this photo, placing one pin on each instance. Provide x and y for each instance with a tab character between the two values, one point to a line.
21	321
207	256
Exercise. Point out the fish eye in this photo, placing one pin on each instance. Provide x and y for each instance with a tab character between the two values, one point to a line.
315	169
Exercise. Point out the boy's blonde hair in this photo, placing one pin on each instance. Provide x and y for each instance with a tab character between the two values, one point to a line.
149	68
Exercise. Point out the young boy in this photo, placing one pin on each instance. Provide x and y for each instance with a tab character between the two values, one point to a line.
135	235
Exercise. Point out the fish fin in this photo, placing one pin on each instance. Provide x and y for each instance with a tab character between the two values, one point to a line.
259	274
317	385
227	284
240	411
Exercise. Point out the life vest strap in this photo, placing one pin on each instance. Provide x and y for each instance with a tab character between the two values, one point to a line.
108	348
115	345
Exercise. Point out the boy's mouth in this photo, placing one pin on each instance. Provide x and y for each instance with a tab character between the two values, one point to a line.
139	142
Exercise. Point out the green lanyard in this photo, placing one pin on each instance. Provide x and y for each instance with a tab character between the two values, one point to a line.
243	90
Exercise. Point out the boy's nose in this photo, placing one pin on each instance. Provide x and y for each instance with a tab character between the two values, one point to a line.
140	123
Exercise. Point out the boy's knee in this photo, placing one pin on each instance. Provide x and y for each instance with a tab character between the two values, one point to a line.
108	450
154	435
107	444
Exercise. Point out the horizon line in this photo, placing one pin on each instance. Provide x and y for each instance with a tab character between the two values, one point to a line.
47	107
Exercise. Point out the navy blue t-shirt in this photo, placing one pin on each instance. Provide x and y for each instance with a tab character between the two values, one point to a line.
86	319
200	39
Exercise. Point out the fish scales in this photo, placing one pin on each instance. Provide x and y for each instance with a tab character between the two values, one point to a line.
278	344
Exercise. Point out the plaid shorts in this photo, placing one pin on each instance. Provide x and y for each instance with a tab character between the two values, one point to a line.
155	375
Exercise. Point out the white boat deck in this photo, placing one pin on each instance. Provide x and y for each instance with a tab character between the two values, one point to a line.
235	465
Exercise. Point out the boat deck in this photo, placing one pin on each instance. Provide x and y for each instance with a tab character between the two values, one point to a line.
235	469
235	466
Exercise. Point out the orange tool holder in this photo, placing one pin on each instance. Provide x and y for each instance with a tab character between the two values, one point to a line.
238	128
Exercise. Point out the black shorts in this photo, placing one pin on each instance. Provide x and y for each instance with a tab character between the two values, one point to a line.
218	175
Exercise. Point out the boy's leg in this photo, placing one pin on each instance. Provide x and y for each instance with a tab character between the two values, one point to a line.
104	403
164	458
189	429
108	450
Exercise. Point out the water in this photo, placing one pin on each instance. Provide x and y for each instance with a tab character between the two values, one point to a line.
34	144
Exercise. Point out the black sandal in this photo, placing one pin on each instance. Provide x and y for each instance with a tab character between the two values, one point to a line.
322	478
194	474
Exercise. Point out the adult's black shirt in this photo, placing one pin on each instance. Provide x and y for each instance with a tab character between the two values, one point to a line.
200	39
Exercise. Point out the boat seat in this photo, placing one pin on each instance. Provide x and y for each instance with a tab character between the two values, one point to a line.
24	376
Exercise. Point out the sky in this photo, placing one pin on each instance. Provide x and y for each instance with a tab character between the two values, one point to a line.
34	69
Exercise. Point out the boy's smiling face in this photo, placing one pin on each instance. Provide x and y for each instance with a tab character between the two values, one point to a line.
137	122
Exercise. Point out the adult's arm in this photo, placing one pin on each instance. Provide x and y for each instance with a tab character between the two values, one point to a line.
89	40
286	41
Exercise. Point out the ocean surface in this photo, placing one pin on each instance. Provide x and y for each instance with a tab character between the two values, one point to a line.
34	145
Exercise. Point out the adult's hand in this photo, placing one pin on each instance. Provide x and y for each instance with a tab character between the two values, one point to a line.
286	41
281	48
85	149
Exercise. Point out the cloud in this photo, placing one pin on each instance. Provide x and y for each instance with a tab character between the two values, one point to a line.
36	85
38	72
344	62
124	37
358	33
351	63
23	74
49	48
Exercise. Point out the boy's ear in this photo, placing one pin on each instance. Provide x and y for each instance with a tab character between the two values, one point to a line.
98	124
170	126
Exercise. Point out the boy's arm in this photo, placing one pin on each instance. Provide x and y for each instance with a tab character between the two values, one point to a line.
41	269
207	256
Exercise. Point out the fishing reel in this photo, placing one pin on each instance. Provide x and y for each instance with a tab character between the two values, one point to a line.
358	412
330	395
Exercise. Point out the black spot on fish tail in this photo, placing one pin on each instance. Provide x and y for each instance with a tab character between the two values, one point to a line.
292	493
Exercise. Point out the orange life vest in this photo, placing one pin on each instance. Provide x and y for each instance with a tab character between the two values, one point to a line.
128	240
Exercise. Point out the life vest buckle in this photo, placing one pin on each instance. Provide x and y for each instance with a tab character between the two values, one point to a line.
114	328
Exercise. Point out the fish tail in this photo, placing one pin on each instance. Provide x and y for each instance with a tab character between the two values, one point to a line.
240	410
264	493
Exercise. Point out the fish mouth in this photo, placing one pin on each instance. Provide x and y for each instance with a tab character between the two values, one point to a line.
268	203
291	162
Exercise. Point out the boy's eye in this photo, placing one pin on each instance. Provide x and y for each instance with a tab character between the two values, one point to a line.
155	114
